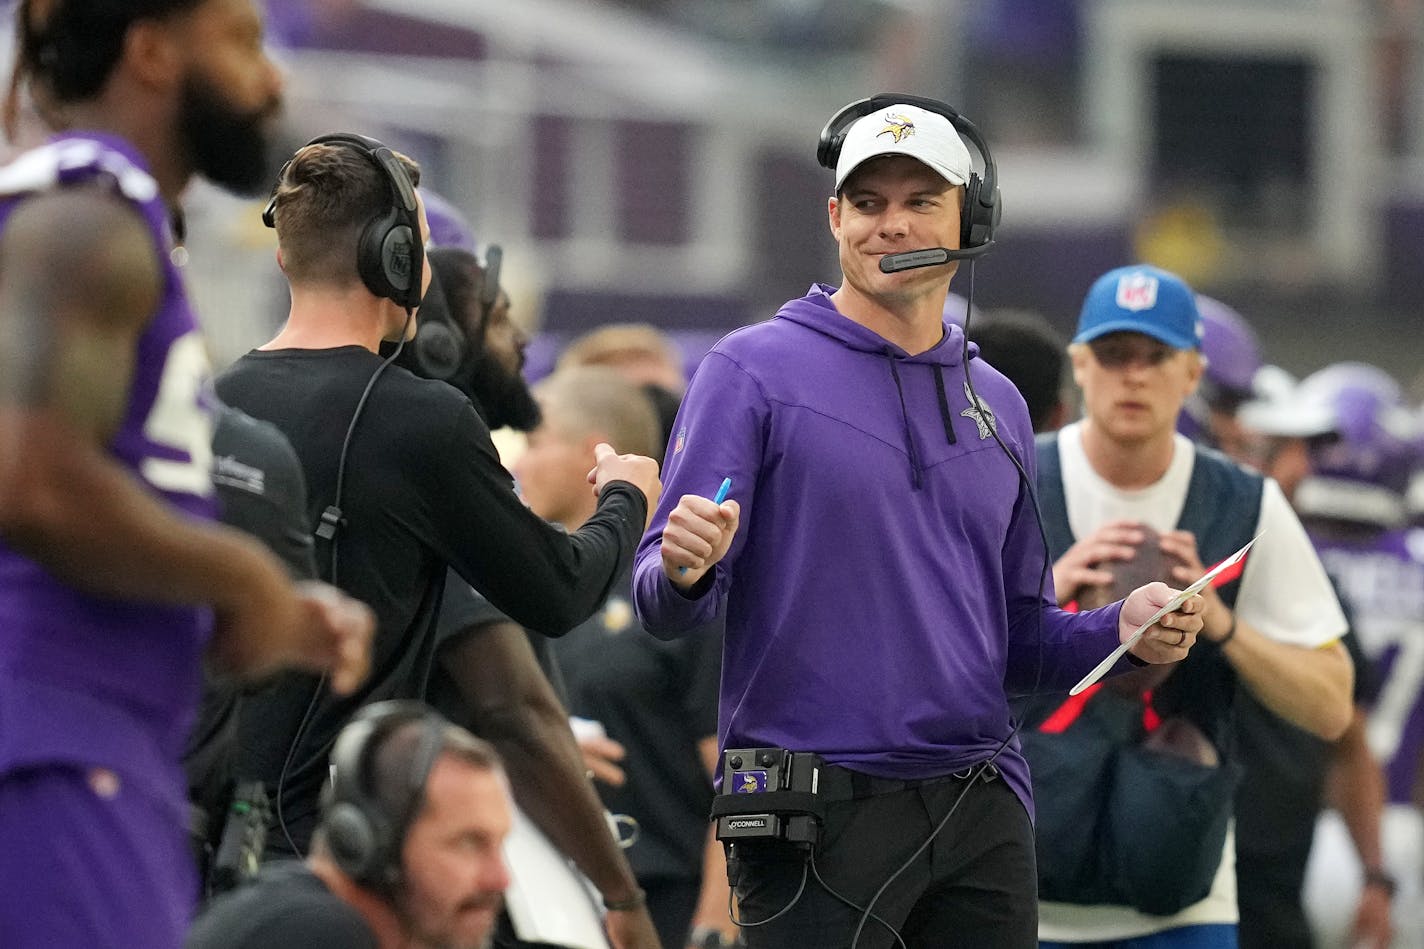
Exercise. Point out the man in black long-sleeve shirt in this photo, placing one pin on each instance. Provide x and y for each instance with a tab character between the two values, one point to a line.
402	467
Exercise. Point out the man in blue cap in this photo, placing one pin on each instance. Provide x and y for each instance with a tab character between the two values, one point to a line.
1147	851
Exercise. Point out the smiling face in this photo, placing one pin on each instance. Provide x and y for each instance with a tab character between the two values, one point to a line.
890	205
1133	385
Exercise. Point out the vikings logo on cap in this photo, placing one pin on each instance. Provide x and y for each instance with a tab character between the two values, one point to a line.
1137	291
897	127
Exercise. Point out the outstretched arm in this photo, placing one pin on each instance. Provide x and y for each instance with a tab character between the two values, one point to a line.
1310	688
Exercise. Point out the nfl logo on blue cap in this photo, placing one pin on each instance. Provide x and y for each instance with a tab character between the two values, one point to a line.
1137	291
1141	299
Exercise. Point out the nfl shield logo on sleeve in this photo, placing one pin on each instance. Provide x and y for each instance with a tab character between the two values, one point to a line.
1137	291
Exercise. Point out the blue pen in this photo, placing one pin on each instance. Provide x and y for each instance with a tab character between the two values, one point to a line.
717	498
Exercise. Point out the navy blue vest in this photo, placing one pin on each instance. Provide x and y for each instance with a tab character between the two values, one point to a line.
1222	509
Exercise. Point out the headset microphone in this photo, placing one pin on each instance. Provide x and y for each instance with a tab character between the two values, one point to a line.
929	257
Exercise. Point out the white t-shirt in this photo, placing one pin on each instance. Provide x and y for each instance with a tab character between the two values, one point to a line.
1284	593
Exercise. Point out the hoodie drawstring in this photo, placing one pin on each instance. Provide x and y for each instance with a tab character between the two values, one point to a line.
916	468
915	472
944	415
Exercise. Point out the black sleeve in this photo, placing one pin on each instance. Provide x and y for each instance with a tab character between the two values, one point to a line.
300	928
536	573
1366	686
285	907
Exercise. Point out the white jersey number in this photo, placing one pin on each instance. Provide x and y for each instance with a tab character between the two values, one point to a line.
178	421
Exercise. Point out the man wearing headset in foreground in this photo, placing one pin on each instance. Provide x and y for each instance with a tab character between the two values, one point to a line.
407	853
886	589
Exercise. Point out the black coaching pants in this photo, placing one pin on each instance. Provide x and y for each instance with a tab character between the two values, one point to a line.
975	886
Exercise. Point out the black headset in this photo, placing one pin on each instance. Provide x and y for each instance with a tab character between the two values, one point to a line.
441	345
390	255
363	835
981	195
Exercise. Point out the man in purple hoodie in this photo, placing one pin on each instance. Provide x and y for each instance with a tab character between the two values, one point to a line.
880	570
113	577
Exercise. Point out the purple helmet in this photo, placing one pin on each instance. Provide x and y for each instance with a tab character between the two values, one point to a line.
1233	357
448	227
1361	477
1230	345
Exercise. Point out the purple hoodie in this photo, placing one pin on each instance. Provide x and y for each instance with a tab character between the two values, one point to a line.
882	592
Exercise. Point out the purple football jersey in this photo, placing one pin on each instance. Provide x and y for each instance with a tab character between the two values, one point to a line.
1382	581
94	680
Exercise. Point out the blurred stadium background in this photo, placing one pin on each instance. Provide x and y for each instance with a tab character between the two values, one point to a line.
653	160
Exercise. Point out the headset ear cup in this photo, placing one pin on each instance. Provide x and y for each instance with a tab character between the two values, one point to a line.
828	149
439	348
396	260
370	257
969	229
351	840
981	214
387	258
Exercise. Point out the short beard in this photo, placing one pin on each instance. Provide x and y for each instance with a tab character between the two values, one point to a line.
231	149
412	928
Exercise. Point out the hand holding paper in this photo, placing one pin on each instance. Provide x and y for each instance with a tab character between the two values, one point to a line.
1171	605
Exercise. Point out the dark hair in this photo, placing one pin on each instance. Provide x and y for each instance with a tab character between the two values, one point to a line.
1030	352
665	403
325	197
66	49
462	281
395	760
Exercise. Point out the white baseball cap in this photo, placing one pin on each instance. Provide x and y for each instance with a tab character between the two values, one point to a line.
905	130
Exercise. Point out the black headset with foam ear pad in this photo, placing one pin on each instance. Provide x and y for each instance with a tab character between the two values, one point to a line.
982	207
390	254
362	835
441	344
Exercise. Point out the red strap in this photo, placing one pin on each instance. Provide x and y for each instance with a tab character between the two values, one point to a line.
1067	713
1150	718
1231	572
